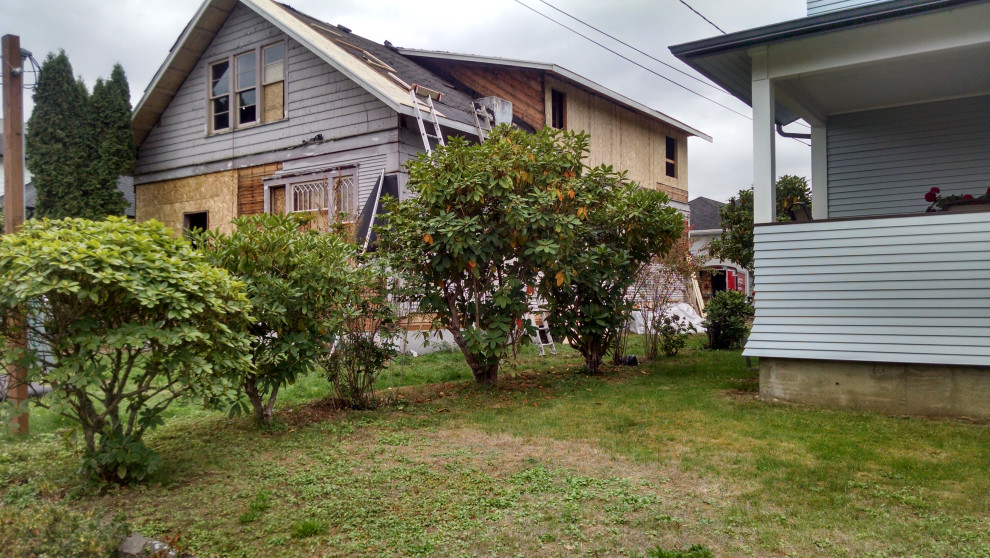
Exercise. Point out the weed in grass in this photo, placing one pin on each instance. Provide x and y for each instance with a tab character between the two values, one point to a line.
695	551
307	528
260	504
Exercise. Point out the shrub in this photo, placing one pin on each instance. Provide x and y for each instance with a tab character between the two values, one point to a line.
299	283
485	220
672	333
122	320
50	530
726	316
622	228
364	347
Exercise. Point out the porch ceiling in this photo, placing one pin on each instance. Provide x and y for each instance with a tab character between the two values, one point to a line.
918	78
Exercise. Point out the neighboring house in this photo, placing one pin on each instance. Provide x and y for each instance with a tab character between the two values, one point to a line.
124	183
875	303
719	275
259	107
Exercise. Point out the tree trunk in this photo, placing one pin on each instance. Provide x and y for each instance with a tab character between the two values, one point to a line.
262	412
593	357
486	375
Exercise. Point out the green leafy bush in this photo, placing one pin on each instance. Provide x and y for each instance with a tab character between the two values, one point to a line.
122	320
50	530
726	317
485	220
300	284
672	333
365	344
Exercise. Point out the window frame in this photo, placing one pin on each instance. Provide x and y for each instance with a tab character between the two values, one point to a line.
554	95
328	177
233	91
670	159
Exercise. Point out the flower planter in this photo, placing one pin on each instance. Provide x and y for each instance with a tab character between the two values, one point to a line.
966	206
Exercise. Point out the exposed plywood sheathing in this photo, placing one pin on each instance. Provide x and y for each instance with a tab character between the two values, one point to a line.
274	102
277	194
251	190
523	87
169	200
624	139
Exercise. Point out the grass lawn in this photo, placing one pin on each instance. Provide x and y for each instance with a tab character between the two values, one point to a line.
552	463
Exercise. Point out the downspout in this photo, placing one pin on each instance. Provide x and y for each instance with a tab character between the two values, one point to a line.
783	134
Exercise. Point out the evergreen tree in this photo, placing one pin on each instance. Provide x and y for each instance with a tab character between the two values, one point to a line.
58	145
79	144
110	122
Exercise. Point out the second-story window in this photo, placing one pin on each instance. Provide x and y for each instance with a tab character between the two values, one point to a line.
247	88
558	108
220	96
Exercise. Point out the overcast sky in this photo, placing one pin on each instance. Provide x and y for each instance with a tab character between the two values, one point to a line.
139	33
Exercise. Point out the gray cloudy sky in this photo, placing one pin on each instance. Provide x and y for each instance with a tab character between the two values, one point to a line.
138	34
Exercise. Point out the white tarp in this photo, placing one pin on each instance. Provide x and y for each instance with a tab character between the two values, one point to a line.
680	309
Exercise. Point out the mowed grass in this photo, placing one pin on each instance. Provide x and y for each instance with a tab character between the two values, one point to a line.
552	463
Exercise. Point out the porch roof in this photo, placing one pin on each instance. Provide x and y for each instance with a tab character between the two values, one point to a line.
866	57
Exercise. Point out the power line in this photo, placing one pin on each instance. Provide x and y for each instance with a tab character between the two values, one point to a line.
621	42
702	17
626	58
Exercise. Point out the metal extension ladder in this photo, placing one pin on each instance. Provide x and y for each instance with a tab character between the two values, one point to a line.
417	92
484	120
541	333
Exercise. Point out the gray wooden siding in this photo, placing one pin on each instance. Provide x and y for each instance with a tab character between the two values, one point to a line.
816	7
321	100
882	162
904	289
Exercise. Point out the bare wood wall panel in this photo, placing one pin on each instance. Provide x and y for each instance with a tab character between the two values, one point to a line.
524	88
251	189
882	162
320	99
896	289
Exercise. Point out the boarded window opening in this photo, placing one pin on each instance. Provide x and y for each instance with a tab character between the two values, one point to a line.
671	157
558	109
273	83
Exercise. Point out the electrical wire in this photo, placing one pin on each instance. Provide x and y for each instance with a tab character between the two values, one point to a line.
623	43
630	60
702	17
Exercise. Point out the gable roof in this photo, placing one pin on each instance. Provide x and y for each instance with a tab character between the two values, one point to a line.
331	43
384	71
704	214
560	72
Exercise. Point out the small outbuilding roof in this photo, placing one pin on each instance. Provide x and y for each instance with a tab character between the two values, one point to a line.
705	214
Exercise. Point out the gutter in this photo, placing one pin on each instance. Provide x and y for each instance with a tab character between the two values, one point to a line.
704	232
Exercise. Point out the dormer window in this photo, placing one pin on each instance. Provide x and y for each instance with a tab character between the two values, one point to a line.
248	88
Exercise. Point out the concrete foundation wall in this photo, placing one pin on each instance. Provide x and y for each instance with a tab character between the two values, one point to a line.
902	389
169	200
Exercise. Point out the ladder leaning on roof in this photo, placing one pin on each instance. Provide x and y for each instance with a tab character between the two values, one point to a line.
417	92
484	120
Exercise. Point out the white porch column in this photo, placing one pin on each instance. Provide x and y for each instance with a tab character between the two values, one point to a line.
764	142
819	172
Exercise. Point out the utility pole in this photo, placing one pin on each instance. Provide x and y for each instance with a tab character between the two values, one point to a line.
13	204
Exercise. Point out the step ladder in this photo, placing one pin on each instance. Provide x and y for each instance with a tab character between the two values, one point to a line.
484	120
418	93
540	335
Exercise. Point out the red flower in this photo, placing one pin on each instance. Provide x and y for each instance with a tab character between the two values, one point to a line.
967	196
930	197
935	190
988	191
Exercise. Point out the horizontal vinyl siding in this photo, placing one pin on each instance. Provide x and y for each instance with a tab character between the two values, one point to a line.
816	7
882	162
320	100
903	289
